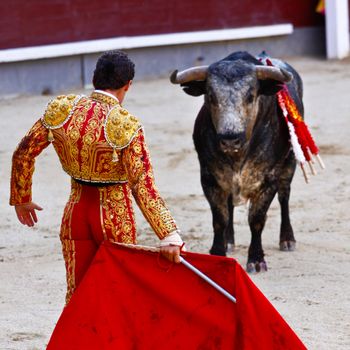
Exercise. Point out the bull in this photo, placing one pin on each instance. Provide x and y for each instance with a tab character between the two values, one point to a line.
243	145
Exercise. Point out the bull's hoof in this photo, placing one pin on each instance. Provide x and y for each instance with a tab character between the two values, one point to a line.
256	267
251	268
230	248
287	246
261	267
217	251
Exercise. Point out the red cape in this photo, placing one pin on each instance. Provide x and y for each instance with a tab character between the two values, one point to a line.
134	299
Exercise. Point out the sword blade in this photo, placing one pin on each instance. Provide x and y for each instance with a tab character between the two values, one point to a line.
208	280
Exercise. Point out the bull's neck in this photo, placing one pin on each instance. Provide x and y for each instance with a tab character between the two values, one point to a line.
268	131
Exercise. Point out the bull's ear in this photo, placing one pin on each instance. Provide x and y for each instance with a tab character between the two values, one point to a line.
269	87
194	88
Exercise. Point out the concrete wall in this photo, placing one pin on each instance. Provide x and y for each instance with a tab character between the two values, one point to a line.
40	76
63	74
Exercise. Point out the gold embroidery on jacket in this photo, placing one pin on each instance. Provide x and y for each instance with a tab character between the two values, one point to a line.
82	147
59	110
104	98
91	135
23	161
141	180
120	127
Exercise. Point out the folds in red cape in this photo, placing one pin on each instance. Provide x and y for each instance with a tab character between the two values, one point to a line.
134	299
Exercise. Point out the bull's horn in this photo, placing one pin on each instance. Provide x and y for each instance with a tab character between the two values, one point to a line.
194	73
280	74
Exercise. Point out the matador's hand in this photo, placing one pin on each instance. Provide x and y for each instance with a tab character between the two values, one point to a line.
26	213
171	252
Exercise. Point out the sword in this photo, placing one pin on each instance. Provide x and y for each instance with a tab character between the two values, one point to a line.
208	280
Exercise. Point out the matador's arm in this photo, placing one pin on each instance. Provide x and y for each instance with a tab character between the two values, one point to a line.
140	174
23	163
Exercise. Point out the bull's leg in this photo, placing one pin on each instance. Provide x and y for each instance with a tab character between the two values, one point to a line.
220	221
229	231
257	219
218	200
287	240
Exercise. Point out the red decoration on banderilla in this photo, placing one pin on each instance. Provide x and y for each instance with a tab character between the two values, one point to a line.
303	144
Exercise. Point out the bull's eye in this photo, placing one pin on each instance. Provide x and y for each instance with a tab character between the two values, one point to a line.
250	98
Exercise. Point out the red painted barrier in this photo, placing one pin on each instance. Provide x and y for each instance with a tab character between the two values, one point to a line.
41	22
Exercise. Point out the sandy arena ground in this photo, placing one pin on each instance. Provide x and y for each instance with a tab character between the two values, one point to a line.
309	287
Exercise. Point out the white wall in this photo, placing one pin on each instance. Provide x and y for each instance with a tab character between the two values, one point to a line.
337	29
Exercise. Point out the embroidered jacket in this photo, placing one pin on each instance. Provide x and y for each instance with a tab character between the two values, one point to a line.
96	141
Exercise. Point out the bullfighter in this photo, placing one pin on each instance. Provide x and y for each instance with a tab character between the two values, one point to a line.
102	147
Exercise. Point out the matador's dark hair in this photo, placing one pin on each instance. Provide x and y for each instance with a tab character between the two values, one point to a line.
113	70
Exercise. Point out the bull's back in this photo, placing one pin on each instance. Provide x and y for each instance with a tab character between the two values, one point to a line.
295	87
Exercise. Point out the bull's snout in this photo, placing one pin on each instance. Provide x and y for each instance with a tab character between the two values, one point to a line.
231	143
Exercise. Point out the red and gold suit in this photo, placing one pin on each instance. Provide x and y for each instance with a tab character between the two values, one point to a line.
102	147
